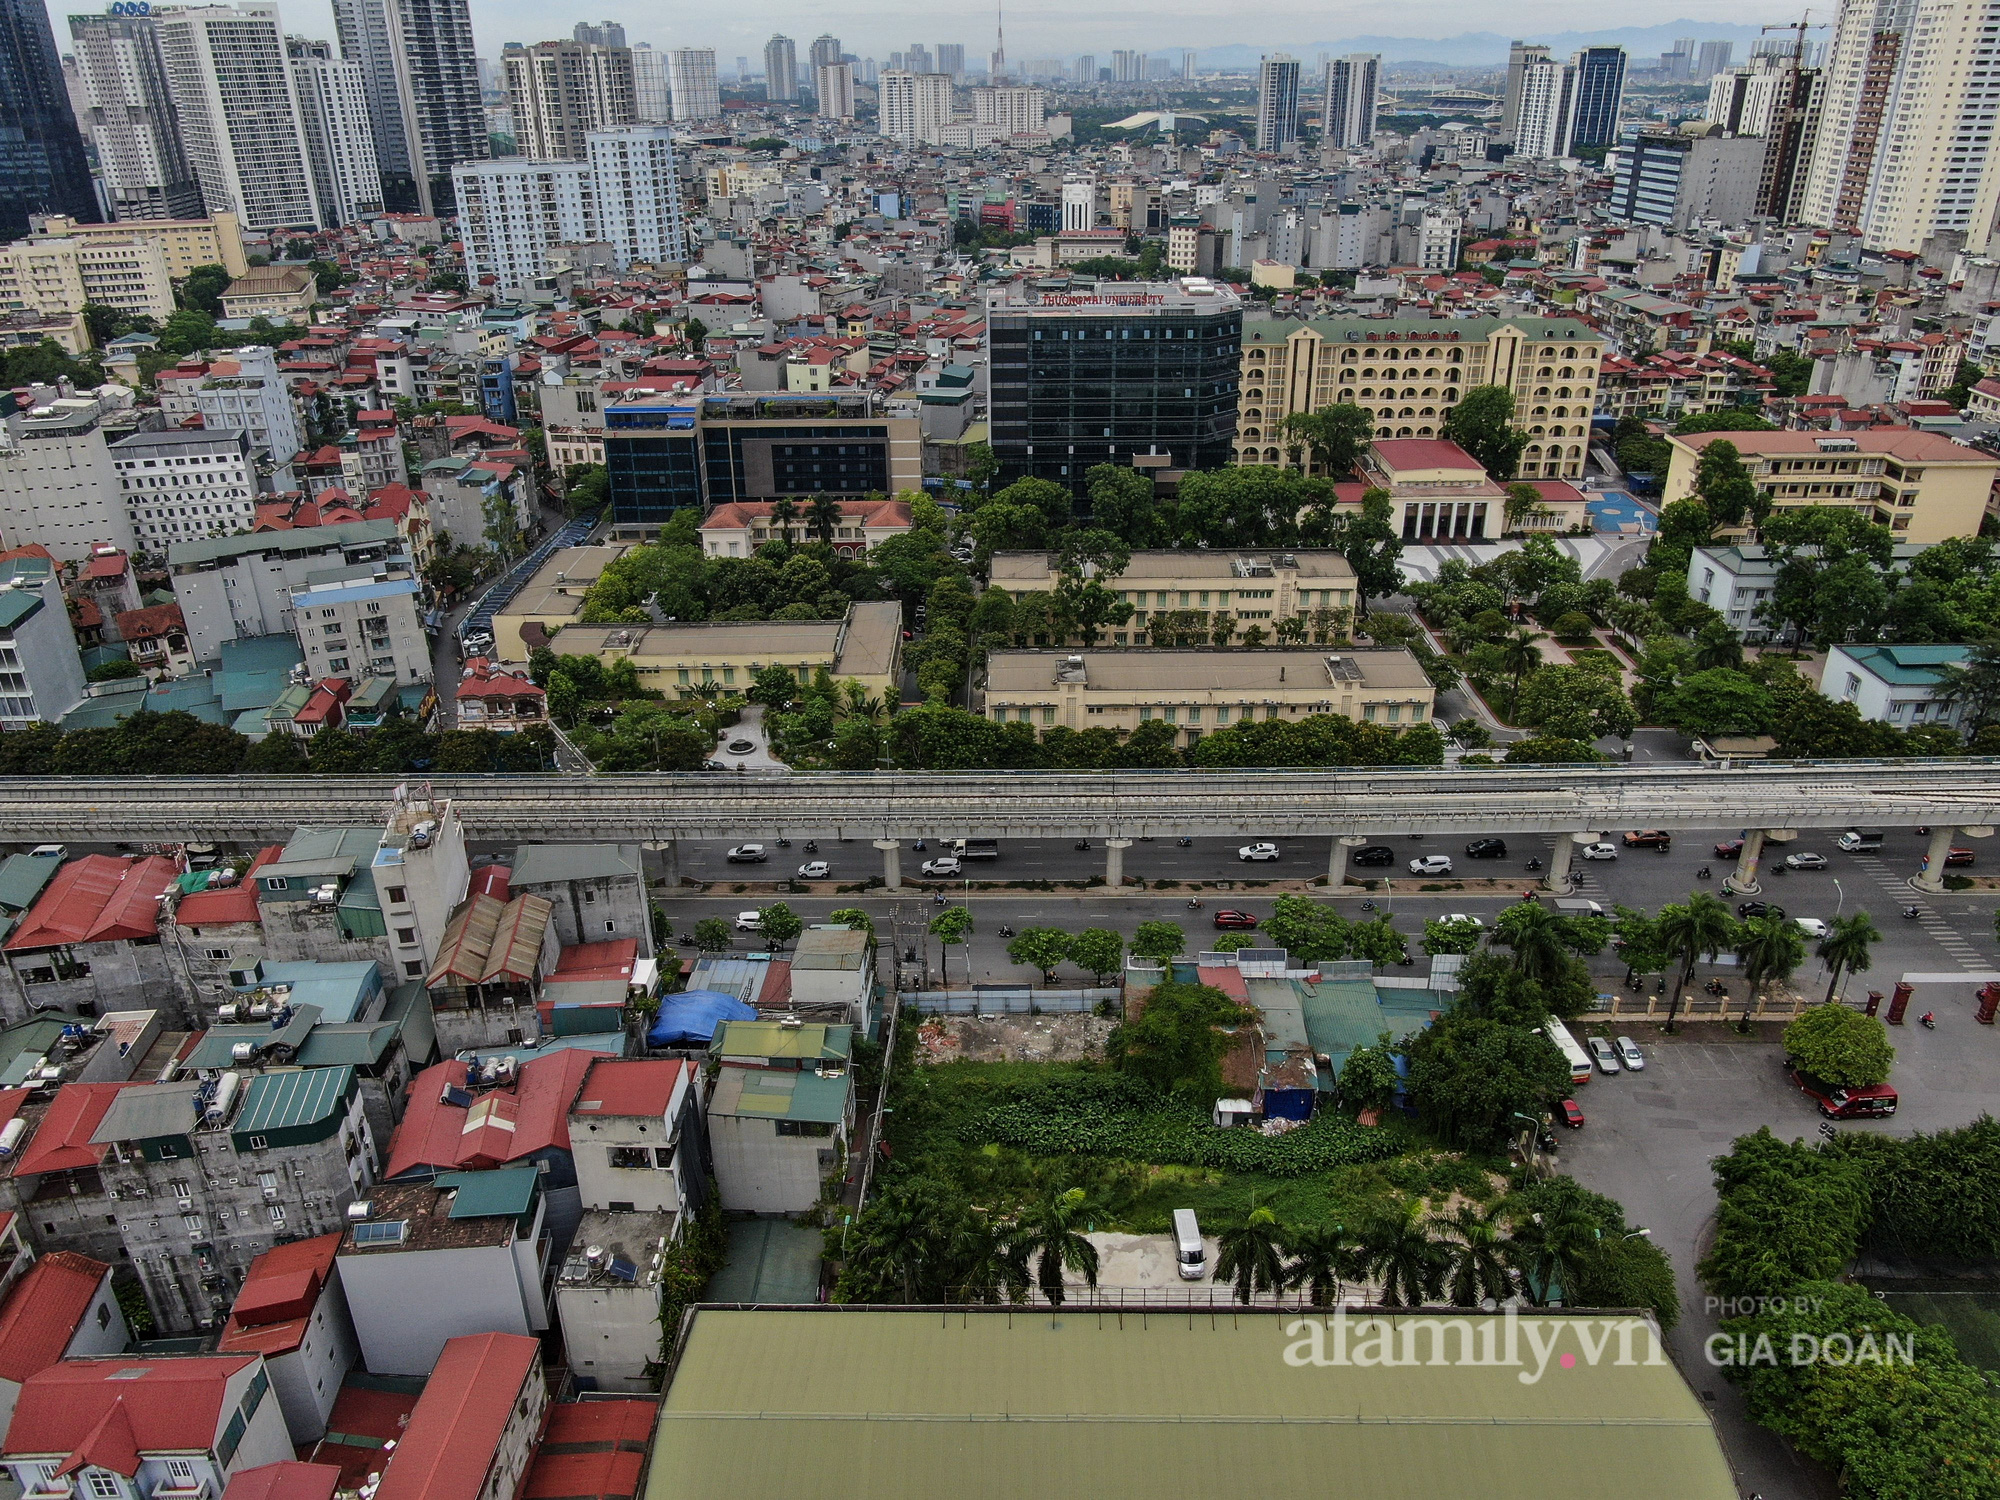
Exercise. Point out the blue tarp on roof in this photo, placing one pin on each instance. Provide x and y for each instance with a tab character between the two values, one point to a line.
689	1019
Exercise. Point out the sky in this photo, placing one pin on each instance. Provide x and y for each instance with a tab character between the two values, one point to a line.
1035	28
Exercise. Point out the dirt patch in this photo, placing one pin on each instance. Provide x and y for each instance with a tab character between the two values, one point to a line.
1065	1038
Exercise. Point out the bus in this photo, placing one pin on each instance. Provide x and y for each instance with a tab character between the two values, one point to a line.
1578	1059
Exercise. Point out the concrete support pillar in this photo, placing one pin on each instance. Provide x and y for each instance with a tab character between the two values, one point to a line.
670	862
1114	861
1931	877
1556	880
892	863
1336	865
1744	881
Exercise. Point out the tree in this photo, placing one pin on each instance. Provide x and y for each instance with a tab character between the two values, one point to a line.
1844	949
1548	1247
1786	1213
1482	424
1250	1255
1687	931
1319	1257
1173	1042
1840	1046
1098	951
1523	500
1537	938
1332	439
1160	942
1520	655
1123	502
953	926
712	935
1771	949
823	516
1371	544
1974	683
1574	703
1401	1255
1724	484
502	531
853	917
1719	700
202	288
1041	947
1469	1075
1475	1258
1451	935
1306	929
1368	1079
696	333
781	924
1045	1236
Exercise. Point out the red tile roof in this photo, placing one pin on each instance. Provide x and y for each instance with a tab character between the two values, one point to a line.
592	1450
280	1291
592	961
150	623
106	565
1423	453
495	881
43	1311
460	1418
1906	443
99	1411
630	1086
99	898
67	1126
504	1124
485	681
229	903
284	1481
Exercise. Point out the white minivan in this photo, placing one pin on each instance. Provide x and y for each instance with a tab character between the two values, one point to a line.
1192	1259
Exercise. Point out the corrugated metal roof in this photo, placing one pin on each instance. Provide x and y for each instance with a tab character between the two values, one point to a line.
771	1039
280	1101
147	1111
485	1195
22	878
1121	1406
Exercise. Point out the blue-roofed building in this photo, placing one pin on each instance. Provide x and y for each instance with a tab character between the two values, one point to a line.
111	703
1895	685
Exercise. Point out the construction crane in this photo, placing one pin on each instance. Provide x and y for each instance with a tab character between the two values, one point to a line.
1804	24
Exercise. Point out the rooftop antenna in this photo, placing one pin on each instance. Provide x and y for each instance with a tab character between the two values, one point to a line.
999	41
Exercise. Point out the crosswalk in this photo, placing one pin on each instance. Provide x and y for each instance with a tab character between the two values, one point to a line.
1904	894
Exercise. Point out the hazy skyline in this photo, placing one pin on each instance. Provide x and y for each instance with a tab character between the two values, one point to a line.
1035	28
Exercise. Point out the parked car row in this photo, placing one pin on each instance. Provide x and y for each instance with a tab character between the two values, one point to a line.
1610	1056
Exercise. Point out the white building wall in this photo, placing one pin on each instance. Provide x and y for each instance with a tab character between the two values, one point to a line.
333	102
307	1380
834	85
407	1304
175	491
58	488
510	211
695	94
651	98
637	189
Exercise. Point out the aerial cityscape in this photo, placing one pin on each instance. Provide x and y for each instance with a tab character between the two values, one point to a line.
740	755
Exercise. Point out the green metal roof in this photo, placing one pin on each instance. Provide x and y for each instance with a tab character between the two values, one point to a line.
354	1044
1907	666
770	1039
23	877
22	1046
1125	1405
197	550
506	1191
284	1101
781	1094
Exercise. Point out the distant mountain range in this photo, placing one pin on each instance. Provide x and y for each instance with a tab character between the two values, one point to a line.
1472	49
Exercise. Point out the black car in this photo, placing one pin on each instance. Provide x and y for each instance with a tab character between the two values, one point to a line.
1373	854
1759	909
1486	849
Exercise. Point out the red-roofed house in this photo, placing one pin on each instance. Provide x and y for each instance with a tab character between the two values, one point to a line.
63	1308
292	1311
490	697
287	1480
526	1120
592	1450
1439	491
740	527
476	1426
626	1129
91	943
157	639
161	1427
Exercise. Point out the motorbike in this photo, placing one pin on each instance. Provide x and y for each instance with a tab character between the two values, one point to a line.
1405	960
920	846
1194	903
784	843
686	940
1368	906
1081	845
1928	1020
1910	912
938	899
1716	987
1532	865
812	846
1704	873
1185	843
1006	932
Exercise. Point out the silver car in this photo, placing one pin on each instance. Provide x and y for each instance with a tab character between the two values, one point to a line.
1605	1055
1630	1055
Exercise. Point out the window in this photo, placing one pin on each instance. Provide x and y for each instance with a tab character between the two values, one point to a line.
631	1158
259	1142
278	1214
414	968
104	1485
397	894
181	1472
407	936
194	1223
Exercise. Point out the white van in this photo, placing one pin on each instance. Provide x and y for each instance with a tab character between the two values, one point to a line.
1574	907
1859	840
1192	1259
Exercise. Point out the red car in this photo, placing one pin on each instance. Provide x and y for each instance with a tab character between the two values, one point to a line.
1236	921
1729	849
1952	857
1651	838
1572	1116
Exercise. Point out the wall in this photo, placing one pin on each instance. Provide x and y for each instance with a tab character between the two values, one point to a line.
307	1380
406	1304
584	906
760	1171
647	1189
612	1333
123	976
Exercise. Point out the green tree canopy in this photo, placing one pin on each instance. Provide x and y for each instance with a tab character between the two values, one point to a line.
1841	1046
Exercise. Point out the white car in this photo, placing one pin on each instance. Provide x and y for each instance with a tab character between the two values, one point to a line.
948	865
1603	1055
817	869
1812	927
1599	851
749	921
749	854
1630	1055
1258	851
1431	864
1460	916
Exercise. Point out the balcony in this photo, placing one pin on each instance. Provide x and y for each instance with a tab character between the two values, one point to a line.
174	1487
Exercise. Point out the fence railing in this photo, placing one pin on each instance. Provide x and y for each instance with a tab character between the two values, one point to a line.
1008	1000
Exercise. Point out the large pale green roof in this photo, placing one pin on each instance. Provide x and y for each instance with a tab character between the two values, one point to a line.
1135	1406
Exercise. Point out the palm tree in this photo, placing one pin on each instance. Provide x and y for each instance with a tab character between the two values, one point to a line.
1045	1237
1250	1255
1844	949
1321	1258
1532	931
993	1271
1401	1255
1771	948
1476	1258
1518	654
784	515
1548	1248
1688	930
822	515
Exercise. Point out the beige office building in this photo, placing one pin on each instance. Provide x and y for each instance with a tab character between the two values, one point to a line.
1203	690
186	243
1921	485
60	275
550	601
1315	589
1408	373
724	656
